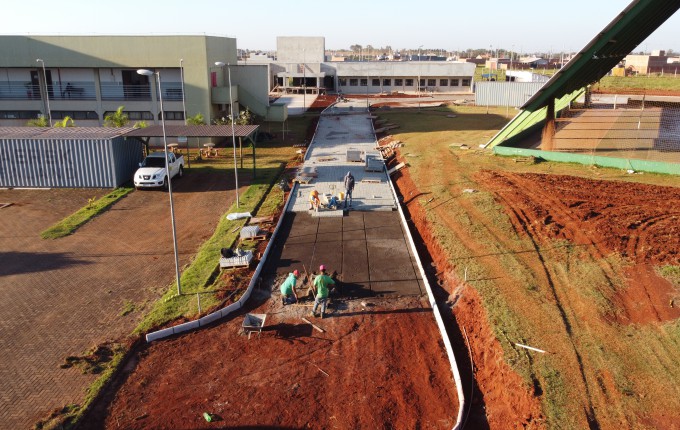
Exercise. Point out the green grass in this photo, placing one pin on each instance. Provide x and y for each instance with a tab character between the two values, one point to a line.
638	84
74	221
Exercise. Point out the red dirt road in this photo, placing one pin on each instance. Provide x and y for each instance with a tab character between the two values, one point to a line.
351	376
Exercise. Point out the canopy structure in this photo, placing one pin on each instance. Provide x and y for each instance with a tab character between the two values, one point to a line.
240	132
611	45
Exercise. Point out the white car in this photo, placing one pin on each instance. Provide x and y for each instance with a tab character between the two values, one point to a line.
152	174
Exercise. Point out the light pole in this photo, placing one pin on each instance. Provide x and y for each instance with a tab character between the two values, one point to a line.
157	76
304	82
47	91
233	134
420	64
184	105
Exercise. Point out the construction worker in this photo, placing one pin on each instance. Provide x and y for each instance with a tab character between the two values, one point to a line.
320	286
349	187
288	294
314	201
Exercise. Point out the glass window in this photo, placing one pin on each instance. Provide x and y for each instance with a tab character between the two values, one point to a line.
431	82
443	82
19	114
78	114
353	82
454	82
375	82
398	82
364	82
387	82
422	82
173	115
466	82
342	82
409	82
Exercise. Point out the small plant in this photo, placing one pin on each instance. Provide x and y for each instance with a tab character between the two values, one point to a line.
66	122
40	121
128	308
140	124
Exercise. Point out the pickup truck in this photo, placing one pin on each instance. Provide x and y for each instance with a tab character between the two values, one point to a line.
151	172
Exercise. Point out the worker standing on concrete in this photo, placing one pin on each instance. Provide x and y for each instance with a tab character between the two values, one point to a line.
288	294
320	285
314	201
349	187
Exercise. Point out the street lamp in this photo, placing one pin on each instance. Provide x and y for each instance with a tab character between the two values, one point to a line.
233	134
47	91
420	64
304	82
157	76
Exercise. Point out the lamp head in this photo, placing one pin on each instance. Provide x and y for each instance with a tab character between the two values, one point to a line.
219	64
39	60
144	72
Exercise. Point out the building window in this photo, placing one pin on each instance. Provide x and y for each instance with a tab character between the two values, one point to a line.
353	82
375	82
431	82
364	82
454	82
75	115
387	82
443	82
466	82
19	114
409	82
342	82
398	82
422	83
135	115
173	115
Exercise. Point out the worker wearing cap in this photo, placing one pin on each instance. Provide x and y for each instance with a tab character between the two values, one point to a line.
321	283
288	294
314	201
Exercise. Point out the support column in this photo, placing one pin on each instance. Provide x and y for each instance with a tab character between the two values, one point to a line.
547	143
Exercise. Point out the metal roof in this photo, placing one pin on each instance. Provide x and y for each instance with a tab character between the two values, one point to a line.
630	28
194	131
62	133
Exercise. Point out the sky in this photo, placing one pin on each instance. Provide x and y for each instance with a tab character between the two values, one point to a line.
522	25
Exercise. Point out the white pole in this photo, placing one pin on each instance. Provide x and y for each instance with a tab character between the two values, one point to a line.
233	134
157	75
47	91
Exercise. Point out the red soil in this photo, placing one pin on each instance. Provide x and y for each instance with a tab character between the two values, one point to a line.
376	368
640	222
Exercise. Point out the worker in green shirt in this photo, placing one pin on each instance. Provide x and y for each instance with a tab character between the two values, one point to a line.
288	294
320	286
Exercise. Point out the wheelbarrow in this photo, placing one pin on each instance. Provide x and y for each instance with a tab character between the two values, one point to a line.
253	323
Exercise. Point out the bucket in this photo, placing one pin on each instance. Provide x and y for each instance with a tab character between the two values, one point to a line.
341	196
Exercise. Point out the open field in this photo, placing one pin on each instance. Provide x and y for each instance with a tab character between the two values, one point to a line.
560	257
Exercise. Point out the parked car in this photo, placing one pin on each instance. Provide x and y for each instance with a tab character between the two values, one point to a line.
152	174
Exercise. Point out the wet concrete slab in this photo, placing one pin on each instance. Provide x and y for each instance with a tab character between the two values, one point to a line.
380	265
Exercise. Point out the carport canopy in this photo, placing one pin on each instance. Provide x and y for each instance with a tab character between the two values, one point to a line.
248	132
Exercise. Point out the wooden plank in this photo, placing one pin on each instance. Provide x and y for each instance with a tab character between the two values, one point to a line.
316	327
261	220
396	168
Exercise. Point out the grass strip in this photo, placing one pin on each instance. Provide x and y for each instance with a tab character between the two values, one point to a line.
74	221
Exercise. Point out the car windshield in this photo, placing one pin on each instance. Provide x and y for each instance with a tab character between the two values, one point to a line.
153	162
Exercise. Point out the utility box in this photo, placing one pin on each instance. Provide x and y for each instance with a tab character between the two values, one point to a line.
354	155
374	162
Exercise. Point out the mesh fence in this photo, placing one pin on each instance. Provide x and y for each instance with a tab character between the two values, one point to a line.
636	125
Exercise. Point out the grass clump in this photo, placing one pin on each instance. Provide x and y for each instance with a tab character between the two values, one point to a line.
94	207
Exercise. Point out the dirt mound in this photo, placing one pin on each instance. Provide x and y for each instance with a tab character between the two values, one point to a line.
637	221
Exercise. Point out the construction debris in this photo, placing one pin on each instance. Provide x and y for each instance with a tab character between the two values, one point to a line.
396	168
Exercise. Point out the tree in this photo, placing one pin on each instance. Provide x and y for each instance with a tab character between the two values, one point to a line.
66	122
40	121
117	118
196	119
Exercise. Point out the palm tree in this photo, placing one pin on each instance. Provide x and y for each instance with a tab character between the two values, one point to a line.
40	121
117	118
66	122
